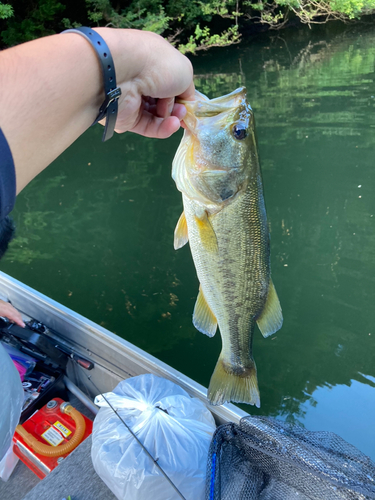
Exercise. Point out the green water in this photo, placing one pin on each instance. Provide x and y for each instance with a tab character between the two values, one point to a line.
95	230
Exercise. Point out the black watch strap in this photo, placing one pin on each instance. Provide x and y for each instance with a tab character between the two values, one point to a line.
109	107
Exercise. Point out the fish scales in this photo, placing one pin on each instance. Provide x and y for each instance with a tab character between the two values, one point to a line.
229	241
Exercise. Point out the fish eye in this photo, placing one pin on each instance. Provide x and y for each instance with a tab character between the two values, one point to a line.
239	131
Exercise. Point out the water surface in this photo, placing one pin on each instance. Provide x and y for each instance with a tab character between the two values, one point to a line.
95	230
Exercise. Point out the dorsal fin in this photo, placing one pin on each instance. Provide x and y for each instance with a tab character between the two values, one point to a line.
271	318
181	236
203	318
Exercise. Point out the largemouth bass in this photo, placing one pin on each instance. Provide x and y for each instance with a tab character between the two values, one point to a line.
217	169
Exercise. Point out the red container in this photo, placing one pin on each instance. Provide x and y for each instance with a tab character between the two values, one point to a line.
49	425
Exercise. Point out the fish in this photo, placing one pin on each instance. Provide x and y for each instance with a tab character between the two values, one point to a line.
217	170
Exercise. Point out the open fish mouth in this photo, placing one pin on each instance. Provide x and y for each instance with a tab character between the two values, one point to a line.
218	102
202	107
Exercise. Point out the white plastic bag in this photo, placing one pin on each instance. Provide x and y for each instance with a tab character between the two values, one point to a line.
8	464
12	397
175	428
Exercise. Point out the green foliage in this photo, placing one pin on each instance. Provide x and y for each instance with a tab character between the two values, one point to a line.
6	11
203	40
190	25
141	14
219	7
171	19
353	8
276	14
187	12
38	20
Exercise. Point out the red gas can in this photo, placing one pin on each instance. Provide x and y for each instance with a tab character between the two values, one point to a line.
49	435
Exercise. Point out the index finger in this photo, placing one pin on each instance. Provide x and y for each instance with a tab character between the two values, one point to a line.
189	93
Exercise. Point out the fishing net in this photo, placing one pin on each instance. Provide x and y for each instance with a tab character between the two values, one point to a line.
264	459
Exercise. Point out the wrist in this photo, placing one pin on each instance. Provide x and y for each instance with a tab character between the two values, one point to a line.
128	52
109	107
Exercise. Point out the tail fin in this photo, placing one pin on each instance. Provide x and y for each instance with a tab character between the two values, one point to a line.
228	385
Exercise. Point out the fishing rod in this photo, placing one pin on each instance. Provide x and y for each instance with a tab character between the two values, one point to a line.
132	433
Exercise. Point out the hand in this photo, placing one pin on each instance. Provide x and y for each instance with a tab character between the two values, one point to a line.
64	92
157	75
9	312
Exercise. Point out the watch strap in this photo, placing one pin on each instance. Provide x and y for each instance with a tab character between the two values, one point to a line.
109	107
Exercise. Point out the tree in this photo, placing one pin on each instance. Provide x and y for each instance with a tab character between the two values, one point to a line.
6	11
190	25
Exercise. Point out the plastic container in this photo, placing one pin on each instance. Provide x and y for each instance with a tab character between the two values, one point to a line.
11	400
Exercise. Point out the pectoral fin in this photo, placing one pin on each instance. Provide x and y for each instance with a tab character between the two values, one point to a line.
203	318
271	318
206	232
181	236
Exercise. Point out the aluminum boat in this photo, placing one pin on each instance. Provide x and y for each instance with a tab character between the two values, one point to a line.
113	359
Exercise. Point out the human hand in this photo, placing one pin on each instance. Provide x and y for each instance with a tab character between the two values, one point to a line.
150	73
64	92
9	312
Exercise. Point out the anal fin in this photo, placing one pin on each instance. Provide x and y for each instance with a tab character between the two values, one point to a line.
271	318
181	236
203	318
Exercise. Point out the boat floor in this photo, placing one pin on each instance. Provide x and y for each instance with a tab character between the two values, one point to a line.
75	476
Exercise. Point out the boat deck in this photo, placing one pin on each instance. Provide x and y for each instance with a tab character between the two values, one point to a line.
75	477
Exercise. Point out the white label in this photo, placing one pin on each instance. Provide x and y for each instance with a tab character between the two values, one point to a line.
64	431
52	436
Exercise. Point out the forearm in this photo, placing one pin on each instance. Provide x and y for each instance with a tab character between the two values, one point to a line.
50	92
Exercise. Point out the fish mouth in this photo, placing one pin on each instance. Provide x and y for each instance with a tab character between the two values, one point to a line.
202	107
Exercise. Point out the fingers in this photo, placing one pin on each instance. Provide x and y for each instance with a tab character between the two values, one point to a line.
188	95
179	110
164	107
168	75
159	71
153	126
9	312
167	107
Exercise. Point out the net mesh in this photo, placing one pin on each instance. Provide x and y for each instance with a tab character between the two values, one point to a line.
265	459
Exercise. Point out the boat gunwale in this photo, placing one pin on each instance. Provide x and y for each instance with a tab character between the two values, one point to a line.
101	346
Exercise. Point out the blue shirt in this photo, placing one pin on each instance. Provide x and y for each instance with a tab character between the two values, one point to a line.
7	178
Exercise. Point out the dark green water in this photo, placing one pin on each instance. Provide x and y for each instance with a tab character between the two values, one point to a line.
95	230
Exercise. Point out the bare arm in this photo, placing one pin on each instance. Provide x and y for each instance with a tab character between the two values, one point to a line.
51	90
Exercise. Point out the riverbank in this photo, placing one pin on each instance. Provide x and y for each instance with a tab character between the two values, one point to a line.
191	26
